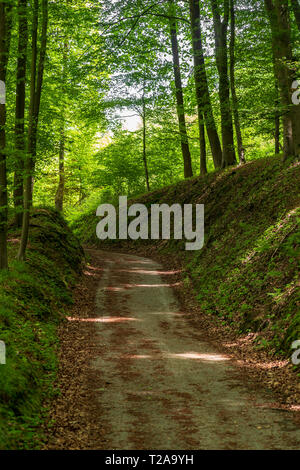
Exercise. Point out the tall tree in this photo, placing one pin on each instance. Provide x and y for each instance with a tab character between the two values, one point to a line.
143	115
296	10
5	34
278	13
37	73
188	172
59	196
235	103
20	110
221	30
202	90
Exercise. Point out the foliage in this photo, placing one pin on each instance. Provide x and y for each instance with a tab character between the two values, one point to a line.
33	297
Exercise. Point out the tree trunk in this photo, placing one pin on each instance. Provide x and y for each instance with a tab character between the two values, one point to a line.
277	114
144	146
203	166
278	12
296	10
277	124
188	172
5	32
201	86
20	110
59	197
220	29
235	105
34	108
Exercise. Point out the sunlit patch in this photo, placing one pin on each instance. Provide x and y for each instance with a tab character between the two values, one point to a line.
202	357
113	289
132	286
173	314
137	356
277	406
103	319
145	271
92	271
189	355
146	261
152	285
13	240
266	365
295	408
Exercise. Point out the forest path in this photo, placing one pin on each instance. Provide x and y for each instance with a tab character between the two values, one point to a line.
136	373
161	385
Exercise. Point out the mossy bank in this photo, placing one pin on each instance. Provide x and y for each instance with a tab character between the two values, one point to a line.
33	296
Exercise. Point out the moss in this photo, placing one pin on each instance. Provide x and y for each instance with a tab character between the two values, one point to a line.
32	300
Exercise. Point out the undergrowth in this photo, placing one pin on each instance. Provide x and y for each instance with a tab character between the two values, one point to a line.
32	299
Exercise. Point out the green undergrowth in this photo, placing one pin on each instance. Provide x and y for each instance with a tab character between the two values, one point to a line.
247	272
33	296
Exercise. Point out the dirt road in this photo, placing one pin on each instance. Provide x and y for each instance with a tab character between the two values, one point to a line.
161	384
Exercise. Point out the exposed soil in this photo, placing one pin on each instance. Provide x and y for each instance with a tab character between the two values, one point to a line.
141	369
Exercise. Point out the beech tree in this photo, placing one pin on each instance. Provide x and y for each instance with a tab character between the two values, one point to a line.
5	35
285	68
36	82
221	29
188	171
20	109
202	91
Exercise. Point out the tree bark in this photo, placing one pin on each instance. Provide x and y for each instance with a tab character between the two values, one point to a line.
278	13
201	86
20	110
221	29
144	145
187	162
59	197
203	165
5	33
235	104
34	108
296	10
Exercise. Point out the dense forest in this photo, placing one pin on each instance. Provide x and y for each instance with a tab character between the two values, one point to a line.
105	98
161	101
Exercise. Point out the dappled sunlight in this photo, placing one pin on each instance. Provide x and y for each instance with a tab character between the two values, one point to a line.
92	271
152	285
267	365
145	271
113	289
200	356
132	286
103	319
140	261
137	356
269	240
189	355
13	240
173	314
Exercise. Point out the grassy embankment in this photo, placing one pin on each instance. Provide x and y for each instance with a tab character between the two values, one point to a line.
32	300
247	273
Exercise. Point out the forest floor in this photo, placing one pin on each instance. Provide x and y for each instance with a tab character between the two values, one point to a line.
141	369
